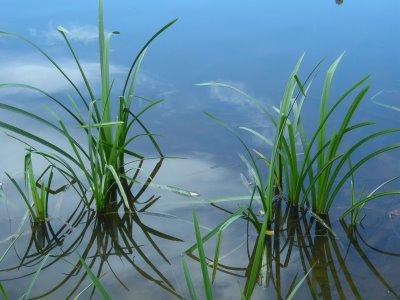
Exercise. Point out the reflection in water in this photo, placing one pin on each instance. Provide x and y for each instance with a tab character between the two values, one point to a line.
354	236
300	242
101	239
98	239
339	2
317	248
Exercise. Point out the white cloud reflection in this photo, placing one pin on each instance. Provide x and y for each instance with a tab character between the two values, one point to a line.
44	75
41	73
81	33
228	95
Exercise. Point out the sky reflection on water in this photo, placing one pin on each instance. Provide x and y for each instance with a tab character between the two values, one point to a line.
251	45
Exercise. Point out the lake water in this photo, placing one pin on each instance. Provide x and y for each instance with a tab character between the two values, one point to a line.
252	45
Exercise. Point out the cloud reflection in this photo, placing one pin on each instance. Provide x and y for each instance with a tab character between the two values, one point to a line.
41	74
81	33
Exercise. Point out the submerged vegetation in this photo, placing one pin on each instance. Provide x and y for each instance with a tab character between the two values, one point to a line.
296	178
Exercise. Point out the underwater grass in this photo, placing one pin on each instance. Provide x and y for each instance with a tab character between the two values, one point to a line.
103	292
101	161
34	279
199	246
203	262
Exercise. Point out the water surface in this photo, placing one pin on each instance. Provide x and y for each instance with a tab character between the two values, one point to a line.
252	45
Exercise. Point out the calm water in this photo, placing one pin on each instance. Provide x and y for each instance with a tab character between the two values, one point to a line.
252	45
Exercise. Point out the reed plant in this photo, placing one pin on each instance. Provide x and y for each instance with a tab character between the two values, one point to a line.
283	159
207	284
95	281
330	154
306	168
357	202
97	166
207	281
37	192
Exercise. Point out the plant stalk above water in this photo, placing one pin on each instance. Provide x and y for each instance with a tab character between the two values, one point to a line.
36	199
101	160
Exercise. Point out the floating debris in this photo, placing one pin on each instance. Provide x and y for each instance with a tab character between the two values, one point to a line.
172	189
394	213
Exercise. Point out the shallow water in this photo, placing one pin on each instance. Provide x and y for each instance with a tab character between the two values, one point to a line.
253	46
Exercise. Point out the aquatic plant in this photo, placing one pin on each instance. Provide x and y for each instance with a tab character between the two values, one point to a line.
26	295
283	161
36	198
356	241
99	239
331	158
97	283
101	161
95	280
208	294
358	202
314	173
207	282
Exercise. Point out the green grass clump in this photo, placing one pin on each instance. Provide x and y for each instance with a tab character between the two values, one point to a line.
306	168
330	155
207	282
101	160
37	192
283	160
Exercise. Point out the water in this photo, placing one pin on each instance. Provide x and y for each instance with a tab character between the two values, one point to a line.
253	46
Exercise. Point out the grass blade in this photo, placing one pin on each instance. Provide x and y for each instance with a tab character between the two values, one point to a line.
100	288
35	277
298	285
188	279
202	257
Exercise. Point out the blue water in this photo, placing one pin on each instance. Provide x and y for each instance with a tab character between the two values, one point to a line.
252	45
